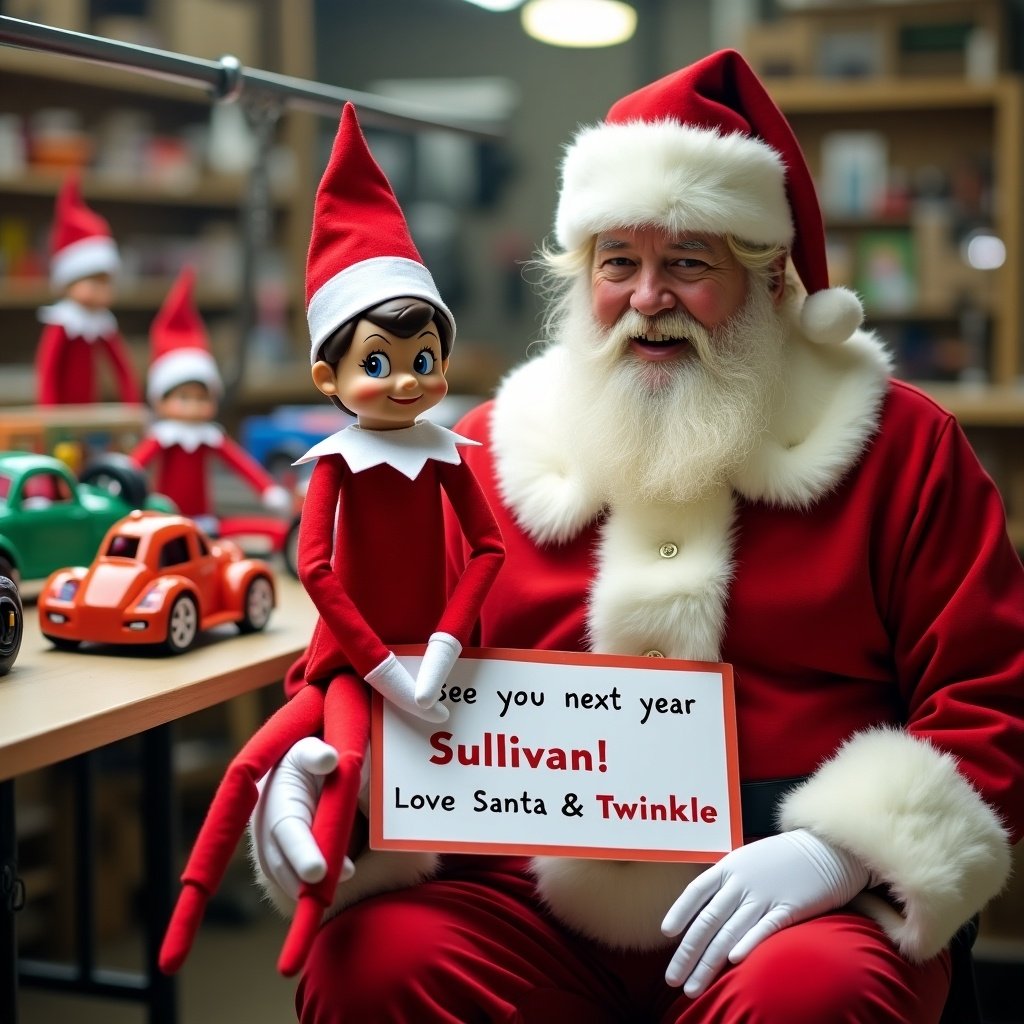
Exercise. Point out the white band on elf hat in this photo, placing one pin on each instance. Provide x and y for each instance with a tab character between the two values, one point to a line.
364	285
96	255
180	366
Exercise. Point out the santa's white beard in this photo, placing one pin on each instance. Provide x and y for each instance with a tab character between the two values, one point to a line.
673	430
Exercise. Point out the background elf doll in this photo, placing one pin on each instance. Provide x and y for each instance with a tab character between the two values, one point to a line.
80	329
184	388
371	544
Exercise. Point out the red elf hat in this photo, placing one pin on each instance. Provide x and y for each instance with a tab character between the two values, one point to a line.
80	242
179	348
706	149
360	251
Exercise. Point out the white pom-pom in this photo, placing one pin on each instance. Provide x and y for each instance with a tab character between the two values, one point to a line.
831	316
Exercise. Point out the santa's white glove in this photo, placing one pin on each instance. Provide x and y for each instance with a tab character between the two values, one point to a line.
750	894
277	498
392	680
442	652
282	820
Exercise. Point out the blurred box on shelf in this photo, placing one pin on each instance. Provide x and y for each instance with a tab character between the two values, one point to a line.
212	29
69	14
781	49
854	173
886	275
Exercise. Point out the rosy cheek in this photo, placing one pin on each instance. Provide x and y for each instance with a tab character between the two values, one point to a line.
367	389
435	385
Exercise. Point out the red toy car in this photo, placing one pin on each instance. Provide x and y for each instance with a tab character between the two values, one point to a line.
158	579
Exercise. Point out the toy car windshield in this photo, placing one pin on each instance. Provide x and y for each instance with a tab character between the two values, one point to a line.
122	546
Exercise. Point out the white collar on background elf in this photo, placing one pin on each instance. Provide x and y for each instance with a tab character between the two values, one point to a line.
407	449
189	436
79	321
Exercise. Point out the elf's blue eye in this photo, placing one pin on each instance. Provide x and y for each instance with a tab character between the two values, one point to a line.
377	365
424	361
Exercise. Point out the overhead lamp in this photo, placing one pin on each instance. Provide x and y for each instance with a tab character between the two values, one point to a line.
579	23
496	5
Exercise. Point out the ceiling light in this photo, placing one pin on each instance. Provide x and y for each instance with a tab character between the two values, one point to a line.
579	22
496	5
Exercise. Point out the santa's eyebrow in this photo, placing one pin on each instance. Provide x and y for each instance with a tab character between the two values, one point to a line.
691	245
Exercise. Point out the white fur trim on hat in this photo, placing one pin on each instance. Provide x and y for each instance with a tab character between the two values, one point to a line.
88	256
902	807
180	366
366	284
677	177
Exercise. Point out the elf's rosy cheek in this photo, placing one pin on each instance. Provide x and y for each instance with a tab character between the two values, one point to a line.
435	385
367	390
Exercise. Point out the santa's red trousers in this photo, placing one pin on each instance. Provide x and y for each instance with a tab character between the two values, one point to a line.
476	946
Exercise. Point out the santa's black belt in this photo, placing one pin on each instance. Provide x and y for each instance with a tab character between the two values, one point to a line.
760	802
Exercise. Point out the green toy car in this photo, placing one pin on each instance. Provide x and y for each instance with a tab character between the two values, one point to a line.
48	519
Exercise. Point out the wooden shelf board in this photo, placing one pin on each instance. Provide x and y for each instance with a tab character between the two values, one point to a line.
830	96
143	295
215	191
98	76
979	405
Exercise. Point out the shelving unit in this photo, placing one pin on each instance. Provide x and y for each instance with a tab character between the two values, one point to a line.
982	120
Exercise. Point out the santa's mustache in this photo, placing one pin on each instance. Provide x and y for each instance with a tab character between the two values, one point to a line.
675	325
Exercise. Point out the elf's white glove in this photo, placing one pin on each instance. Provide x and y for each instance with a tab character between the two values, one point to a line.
282	820
442	652
750	894
392	680
277	499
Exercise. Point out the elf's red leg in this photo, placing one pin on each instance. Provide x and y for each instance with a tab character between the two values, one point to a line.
228	814
347	729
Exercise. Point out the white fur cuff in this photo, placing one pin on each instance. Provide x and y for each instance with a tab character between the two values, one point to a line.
903	808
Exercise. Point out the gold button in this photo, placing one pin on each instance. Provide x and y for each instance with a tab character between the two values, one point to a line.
668	550
653	654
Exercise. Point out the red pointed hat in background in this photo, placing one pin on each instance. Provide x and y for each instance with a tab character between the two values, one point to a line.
706	149
179	346
360	250
80	243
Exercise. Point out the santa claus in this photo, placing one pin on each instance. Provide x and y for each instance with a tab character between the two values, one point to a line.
709	460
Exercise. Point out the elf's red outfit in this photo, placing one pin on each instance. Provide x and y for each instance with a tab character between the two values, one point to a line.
72	346
855	571
184	454
378	581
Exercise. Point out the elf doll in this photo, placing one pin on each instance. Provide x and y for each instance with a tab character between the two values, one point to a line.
184	389
80	329
371	544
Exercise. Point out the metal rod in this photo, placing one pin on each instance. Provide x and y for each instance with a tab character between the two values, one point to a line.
226	79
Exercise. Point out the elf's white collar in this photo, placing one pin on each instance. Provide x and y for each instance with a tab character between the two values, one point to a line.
190	436
79	322
408	450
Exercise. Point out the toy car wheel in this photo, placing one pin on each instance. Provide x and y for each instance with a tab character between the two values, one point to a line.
7	569
62	643
119	475
291	548
12	624
182	625
259	603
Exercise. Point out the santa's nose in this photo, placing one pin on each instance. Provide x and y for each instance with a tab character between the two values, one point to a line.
652	294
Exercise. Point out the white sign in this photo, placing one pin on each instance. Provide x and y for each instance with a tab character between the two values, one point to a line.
563	754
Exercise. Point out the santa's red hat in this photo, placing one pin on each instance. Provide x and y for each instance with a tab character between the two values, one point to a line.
179	348
360	252
80	242
706	149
